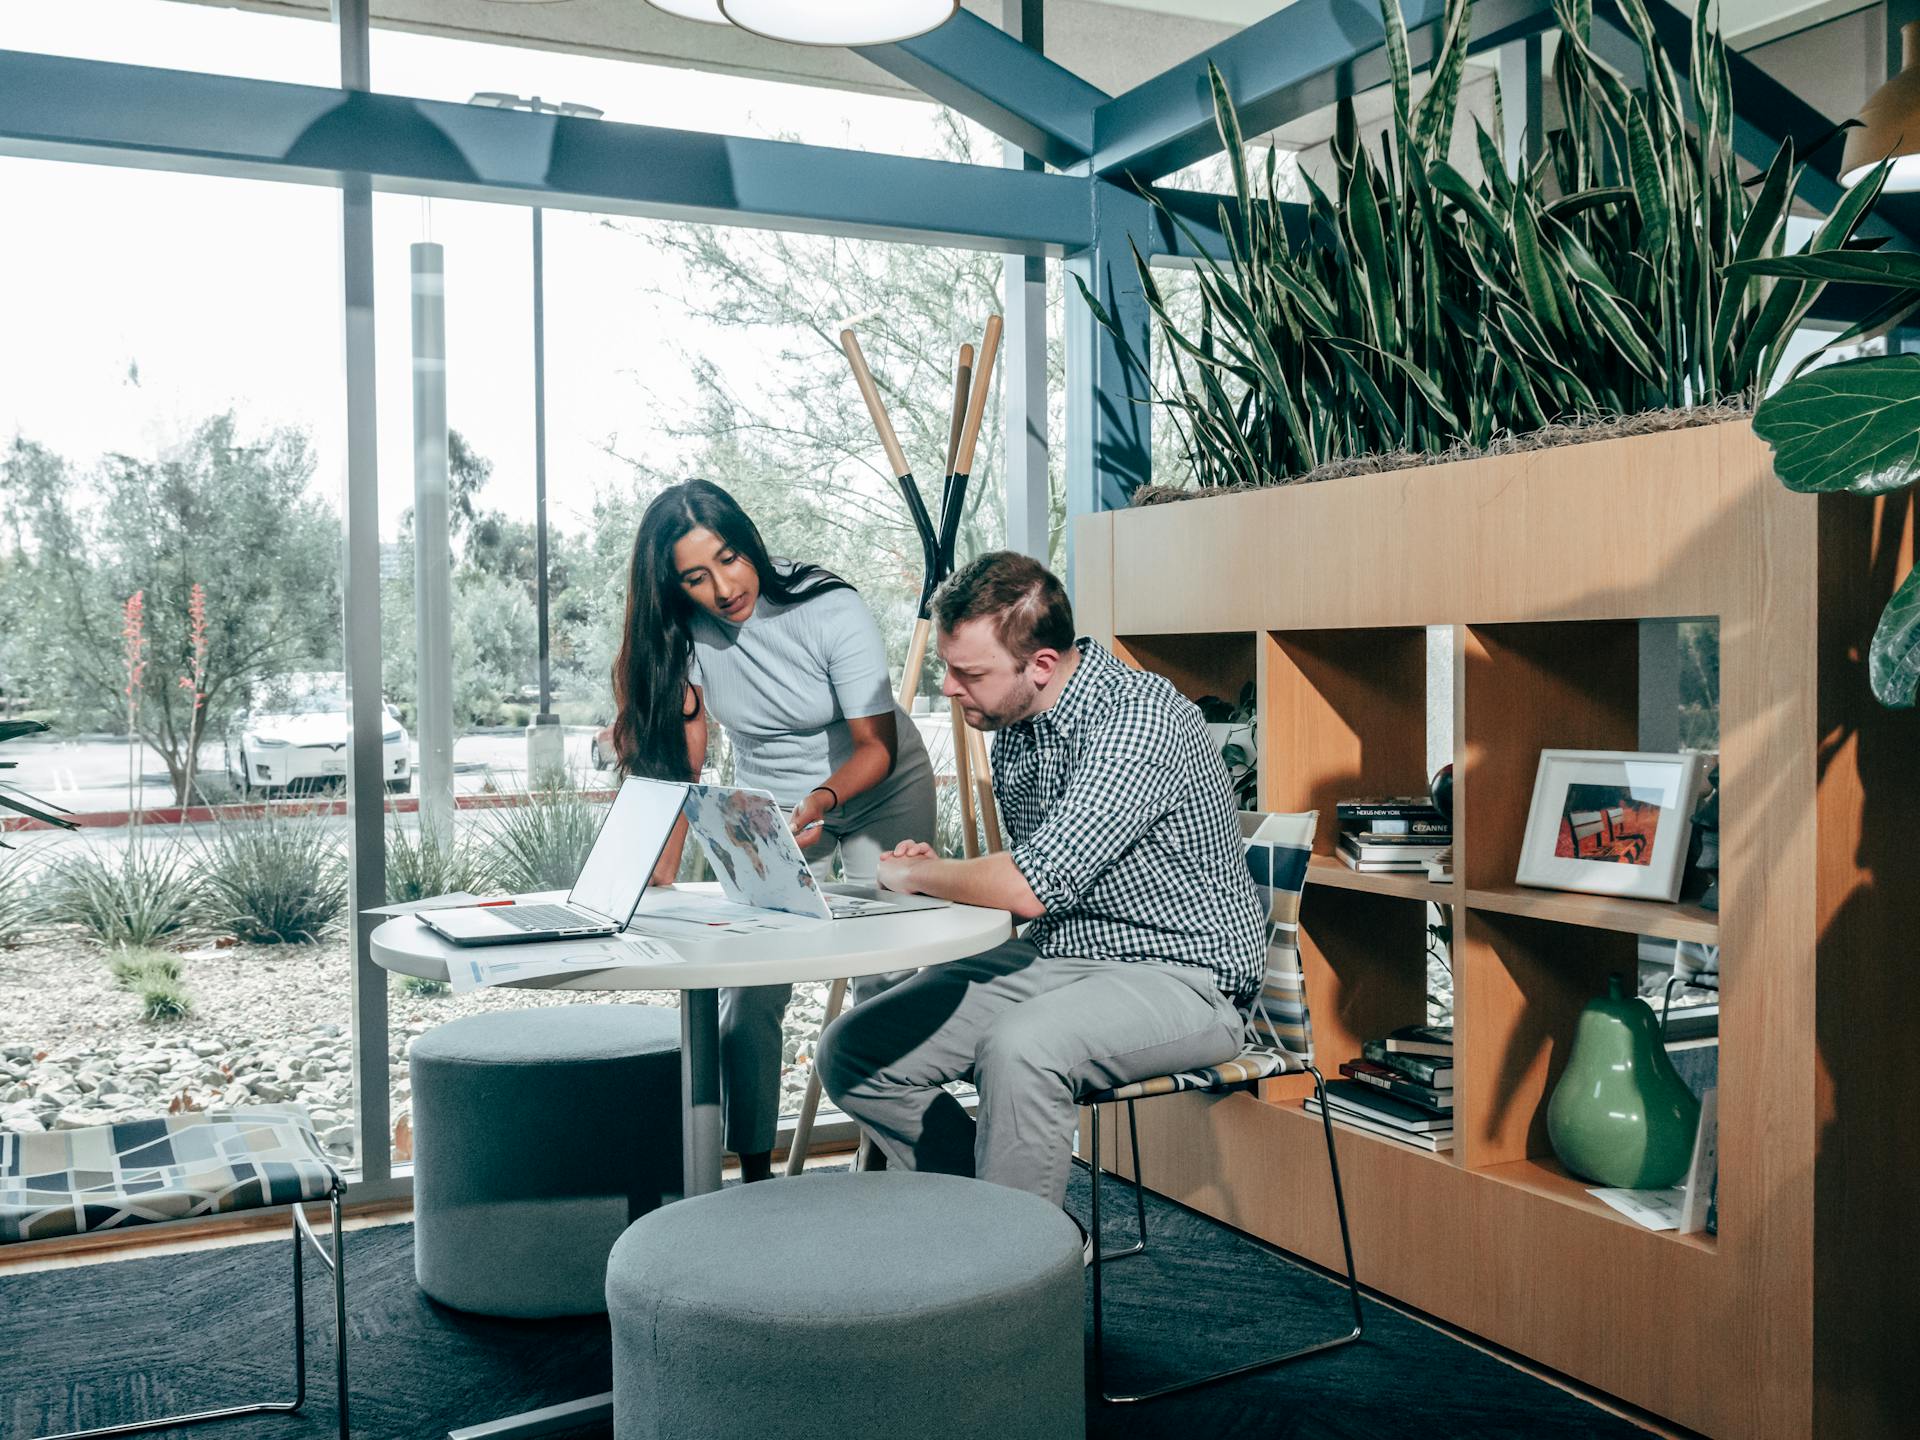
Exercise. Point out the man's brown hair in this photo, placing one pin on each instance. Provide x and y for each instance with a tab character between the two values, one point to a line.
1026	602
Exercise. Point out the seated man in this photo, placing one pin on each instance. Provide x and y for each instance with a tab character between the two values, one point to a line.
1126	856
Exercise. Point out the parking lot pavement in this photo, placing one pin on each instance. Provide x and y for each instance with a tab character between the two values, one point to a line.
90	774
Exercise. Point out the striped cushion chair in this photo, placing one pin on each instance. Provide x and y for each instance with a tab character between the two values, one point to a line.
142	1172
1279	1041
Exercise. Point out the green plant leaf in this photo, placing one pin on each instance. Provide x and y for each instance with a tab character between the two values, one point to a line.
1854	426
1859	267
1893	660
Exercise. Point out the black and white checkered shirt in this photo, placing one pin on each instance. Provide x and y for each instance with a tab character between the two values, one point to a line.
1121	819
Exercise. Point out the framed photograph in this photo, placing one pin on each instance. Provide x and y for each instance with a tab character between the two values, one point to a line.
1611	822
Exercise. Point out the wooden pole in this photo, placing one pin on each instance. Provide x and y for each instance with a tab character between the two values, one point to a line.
963	778
810	1102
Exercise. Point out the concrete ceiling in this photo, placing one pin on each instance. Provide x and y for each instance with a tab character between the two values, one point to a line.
1114	44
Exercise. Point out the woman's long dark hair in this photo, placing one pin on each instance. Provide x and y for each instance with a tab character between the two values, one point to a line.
650	672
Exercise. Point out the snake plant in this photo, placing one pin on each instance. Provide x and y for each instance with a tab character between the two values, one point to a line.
1409	307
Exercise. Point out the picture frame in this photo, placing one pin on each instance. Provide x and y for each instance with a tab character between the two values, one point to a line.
1610	822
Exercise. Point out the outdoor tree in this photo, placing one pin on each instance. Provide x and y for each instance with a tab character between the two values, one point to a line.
233	515
789	435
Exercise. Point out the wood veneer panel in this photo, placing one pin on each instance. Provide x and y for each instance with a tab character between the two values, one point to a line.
1220	665
1344	713
1642	526
1092	577
1365	961
1529	688
1593	1296
1519	987
1330	871
1867	1144
1677	921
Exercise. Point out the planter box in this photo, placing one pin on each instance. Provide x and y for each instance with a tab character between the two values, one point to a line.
1794	1320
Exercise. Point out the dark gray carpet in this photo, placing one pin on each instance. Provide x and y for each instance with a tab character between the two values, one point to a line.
117	1341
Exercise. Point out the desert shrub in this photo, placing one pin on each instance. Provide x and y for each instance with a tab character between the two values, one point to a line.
420	864
19	906
135	969
542	843
124	897
163	1000
278	881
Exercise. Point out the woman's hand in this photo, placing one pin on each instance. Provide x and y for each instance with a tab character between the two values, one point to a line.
896	867
806	817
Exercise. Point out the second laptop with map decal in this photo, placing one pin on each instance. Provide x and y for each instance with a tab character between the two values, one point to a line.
758	863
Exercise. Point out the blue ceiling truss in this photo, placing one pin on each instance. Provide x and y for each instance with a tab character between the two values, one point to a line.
1086	210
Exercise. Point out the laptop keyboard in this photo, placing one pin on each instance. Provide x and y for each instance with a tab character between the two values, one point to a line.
546	917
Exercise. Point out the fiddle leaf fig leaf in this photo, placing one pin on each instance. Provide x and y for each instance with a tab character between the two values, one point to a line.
1893	661
1852	427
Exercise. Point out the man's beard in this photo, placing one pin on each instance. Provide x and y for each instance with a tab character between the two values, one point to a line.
1017	707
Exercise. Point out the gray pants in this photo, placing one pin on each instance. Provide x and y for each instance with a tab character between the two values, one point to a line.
751	1046
1032	1032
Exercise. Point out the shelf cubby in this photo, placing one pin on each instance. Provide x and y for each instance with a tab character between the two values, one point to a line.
1544	1176
1343	713
1521	689
1216	664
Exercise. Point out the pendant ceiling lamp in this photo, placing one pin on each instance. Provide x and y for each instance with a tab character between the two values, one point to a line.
705	11
821	22
1889	126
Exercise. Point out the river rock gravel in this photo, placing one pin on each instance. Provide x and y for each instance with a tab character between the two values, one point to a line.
270	1025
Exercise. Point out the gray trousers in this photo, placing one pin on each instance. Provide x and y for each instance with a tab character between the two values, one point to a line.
751	1045
1032	1032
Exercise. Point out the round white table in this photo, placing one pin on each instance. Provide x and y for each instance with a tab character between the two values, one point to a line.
701	964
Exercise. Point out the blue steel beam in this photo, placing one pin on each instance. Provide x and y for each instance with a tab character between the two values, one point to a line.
1199	213
62	109
989	76
1305	57
1765	113
1108	414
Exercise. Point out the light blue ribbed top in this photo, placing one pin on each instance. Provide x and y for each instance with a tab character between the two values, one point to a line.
785	681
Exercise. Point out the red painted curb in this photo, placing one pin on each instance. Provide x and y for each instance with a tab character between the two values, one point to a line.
260	809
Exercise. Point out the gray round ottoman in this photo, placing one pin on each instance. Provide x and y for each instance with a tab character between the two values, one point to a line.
539	1136
855	1307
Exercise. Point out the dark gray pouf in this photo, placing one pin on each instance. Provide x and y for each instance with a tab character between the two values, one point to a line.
849	1307
538	1137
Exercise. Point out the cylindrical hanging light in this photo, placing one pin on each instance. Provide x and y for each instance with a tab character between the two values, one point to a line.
705	11
843	22
1889	126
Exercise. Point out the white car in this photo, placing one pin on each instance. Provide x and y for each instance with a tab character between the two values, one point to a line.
295	733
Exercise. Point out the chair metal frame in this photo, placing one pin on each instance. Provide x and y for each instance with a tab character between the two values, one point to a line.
332	1259
1103	1257
1263	1034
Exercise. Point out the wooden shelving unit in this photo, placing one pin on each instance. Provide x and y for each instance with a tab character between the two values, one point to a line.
1792	1321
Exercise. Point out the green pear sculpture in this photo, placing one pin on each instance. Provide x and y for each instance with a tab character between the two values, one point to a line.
1621	1116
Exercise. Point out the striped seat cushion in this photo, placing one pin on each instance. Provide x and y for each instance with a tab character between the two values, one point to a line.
1279	1035
106	1177
1247	1066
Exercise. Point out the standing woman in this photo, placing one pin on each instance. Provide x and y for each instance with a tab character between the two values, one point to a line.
786	657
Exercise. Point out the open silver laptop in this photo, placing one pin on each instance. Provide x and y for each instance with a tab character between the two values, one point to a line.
602	901
751	847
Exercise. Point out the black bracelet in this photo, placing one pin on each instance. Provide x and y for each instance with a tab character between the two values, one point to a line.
831	791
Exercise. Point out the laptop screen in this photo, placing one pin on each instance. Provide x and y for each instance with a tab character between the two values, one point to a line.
636	830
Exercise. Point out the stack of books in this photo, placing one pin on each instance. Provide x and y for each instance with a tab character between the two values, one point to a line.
1392	832
1401	1090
